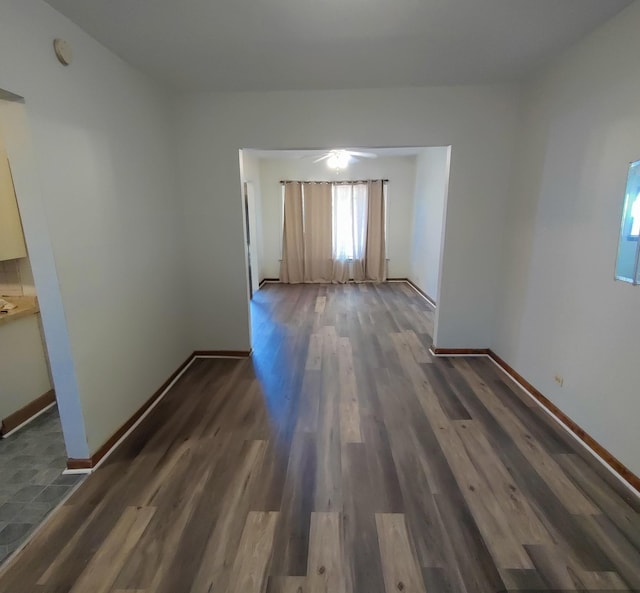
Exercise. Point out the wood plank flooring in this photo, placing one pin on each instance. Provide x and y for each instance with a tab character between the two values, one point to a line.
342	457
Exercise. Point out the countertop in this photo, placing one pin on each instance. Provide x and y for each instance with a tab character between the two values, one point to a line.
25	306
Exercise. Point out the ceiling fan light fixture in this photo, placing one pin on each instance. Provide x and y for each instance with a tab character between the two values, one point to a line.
338	159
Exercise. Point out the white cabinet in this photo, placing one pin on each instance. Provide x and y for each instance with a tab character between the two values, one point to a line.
12	244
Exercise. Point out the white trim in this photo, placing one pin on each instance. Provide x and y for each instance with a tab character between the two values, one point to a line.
624	482
147	411
73	472
143	416
28	420
431	302
611	470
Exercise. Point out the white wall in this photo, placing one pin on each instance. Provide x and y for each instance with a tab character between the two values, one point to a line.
24	375
561	311
97	193
479	123
400	171
432	178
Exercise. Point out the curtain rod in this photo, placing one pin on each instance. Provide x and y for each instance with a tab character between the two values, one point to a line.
338	182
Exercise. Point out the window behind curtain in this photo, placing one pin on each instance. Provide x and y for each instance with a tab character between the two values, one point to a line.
349	220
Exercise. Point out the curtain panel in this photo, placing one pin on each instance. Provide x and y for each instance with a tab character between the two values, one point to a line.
292	264
318	255
375	250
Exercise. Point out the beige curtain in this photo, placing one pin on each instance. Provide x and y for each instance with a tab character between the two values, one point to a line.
375	261
318	262
292	264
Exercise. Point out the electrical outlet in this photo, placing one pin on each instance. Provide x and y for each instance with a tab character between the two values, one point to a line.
559	380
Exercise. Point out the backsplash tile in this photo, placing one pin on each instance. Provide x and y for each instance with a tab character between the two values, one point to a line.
10	280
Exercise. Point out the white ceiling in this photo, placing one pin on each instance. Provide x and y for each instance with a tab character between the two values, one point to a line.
316	44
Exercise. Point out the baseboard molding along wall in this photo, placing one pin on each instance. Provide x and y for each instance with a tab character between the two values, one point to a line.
26	414
605	457
90	464
421	292
614	465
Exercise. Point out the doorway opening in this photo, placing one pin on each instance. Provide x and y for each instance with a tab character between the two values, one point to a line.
417	180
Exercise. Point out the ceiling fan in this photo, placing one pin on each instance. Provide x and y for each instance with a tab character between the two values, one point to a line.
340	158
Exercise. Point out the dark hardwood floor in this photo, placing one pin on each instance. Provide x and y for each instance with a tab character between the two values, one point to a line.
342	457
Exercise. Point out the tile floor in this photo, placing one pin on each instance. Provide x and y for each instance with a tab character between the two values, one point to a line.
31	481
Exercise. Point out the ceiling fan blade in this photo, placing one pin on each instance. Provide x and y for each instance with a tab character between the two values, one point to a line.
366	155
